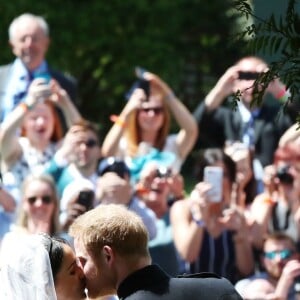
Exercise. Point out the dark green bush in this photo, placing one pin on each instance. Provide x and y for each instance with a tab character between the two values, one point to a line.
188	43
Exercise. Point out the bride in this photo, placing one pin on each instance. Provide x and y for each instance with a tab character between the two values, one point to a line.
40	268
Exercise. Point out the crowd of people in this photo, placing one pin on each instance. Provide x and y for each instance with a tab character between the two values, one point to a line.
119	201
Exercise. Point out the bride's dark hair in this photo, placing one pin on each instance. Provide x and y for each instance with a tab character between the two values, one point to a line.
54	247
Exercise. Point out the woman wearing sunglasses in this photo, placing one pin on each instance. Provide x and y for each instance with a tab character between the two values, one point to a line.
39	207
144	124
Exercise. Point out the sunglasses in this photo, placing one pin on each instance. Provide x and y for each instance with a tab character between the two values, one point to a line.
90	143
45	199
156	110
283	254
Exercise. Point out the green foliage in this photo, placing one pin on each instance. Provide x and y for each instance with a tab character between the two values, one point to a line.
275	36
188	43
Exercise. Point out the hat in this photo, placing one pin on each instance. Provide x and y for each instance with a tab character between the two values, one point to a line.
113	164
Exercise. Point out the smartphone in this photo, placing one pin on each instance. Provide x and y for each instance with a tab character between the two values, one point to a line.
44	75
142	82
248	75
139	72
46	93
214	176
86	198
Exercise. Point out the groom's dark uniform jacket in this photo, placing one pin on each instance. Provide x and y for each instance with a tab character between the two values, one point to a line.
152	283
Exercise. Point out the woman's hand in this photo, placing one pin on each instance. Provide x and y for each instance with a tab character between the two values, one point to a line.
72	139
157	85
59	96
176	184
233	219
200	202
39	90
135	102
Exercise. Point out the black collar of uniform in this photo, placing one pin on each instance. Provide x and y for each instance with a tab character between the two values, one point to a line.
150	278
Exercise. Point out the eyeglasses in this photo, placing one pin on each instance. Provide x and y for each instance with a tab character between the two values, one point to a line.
283	254
90	143
156	110
45	199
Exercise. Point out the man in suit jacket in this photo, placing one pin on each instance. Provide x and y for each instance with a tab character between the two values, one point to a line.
258	127
29	40
111	244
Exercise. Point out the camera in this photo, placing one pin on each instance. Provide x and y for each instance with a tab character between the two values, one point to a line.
248	75
284	176
163	172
297	285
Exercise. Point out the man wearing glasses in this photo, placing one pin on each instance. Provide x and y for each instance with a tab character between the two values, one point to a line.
281	279
77	157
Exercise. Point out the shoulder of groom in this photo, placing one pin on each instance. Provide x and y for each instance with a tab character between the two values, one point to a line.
200	275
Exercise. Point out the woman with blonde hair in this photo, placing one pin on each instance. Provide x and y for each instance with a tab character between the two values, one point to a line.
39	209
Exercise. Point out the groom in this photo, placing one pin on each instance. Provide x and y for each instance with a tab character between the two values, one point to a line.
111	244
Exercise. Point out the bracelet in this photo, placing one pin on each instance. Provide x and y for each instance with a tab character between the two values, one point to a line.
25	107
199	222
282	96
118	121
268	200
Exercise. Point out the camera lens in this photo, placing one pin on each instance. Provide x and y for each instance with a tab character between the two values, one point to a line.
284	176
163	172
297	285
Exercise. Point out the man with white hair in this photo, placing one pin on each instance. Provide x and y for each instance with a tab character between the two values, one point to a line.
29	41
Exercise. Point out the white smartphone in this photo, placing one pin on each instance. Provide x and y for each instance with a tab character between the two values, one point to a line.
139	72
214	176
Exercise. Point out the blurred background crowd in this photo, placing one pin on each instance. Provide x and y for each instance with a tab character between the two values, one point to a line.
83	125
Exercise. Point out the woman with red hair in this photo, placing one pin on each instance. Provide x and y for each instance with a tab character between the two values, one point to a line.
30	135
144	124
278	207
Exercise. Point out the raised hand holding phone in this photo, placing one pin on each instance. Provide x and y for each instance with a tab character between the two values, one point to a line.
214	176
86	199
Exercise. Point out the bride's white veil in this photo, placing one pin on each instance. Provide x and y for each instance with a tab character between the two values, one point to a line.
25	271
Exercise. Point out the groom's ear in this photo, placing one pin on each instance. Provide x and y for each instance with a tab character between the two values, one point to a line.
108	254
